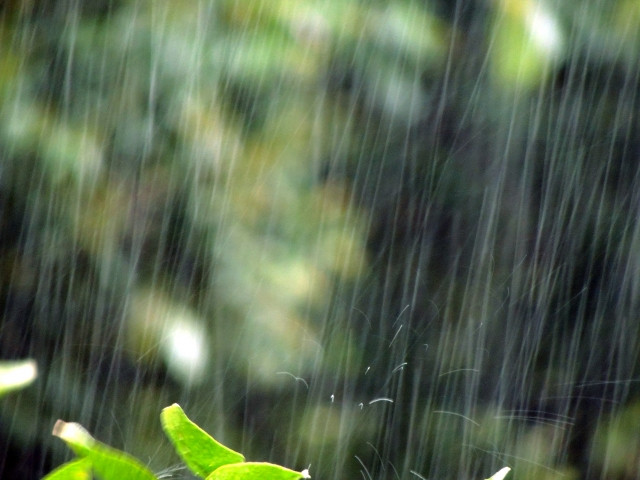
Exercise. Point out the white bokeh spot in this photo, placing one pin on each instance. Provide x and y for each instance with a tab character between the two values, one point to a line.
186	349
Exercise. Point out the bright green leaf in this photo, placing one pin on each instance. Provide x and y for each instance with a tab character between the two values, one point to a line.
256	471
78	469
75	436
107	463
500	474
15	375
197	448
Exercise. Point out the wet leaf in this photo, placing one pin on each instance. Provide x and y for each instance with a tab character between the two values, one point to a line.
107	463
500	474
197	448
16	375
78	469
256	471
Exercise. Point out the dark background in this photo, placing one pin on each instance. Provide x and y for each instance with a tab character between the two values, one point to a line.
426	210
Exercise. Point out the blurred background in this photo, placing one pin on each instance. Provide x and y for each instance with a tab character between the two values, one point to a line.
391	239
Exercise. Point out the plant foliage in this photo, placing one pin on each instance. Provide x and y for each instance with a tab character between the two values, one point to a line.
202	454
17	374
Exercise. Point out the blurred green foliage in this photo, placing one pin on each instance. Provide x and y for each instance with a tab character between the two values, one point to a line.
192	191
616	443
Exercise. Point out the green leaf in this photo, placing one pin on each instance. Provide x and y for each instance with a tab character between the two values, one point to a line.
197	448
15	375
78	469
107	463
256	471
500	474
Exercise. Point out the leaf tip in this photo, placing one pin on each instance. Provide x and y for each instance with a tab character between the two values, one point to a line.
57	427
500	474
173	406
17	374
72	433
